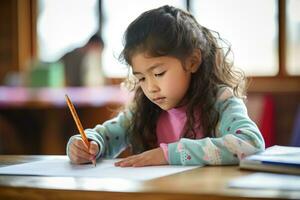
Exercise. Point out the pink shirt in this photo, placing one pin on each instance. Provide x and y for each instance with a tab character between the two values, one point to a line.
170	126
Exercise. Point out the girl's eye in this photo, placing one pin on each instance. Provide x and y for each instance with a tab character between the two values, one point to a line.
141	80
160	74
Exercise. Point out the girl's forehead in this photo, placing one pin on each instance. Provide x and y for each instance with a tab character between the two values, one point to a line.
143	62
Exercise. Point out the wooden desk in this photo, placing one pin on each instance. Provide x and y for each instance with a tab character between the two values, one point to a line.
209	183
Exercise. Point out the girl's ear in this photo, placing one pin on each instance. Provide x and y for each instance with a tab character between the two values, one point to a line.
195	60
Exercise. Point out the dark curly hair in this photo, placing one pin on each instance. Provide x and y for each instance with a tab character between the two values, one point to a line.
169	31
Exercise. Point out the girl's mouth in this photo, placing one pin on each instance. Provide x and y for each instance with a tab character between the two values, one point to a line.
159	100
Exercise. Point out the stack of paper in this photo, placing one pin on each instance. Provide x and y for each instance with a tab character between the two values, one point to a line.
281	159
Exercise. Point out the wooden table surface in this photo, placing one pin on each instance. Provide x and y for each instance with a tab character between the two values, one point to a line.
201	183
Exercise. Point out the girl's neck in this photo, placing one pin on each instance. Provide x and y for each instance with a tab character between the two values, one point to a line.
177	110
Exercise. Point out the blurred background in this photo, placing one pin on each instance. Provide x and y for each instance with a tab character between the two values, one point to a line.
52	47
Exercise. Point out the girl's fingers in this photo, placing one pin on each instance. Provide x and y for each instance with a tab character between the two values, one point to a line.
77	158
125	160
79	154
125	163
94	148
79	143
143	161
139	164
128	162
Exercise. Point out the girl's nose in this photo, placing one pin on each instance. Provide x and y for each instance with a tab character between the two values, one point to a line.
152	86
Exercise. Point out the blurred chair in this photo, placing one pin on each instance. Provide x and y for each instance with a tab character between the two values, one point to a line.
261	110
267	120
296	130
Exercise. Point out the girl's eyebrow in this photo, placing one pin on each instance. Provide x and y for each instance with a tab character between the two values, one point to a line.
150	68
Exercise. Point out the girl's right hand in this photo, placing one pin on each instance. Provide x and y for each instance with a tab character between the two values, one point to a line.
79	153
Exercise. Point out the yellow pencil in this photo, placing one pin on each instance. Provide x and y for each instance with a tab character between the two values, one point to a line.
78	124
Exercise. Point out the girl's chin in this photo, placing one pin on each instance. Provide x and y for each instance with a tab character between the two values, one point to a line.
166	107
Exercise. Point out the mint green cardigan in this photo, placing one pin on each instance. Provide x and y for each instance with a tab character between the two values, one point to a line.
236	137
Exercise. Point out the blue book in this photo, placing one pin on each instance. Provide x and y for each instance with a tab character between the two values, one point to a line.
280	159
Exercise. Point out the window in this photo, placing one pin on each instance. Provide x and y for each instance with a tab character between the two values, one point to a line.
117	16
264	34
64	25
293	37
251	28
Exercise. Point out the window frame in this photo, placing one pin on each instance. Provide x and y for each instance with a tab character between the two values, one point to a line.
282	81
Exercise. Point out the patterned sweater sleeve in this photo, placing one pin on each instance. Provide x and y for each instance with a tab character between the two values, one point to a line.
111	136
237	137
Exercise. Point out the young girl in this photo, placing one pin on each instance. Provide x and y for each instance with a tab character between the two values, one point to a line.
187	108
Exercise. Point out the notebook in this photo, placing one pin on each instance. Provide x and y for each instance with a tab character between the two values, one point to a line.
280	159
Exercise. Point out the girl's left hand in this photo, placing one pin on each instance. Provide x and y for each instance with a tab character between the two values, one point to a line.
151	157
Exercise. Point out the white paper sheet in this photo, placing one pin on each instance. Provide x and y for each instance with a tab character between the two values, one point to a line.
104	169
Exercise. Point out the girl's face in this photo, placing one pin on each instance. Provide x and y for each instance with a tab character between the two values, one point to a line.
163	79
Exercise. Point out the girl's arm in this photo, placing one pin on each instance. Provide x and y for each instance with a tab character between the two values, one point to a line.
111	136
237	137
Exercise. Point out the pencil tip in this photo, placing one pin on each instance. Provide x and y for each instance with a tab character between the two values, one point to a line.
94	162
